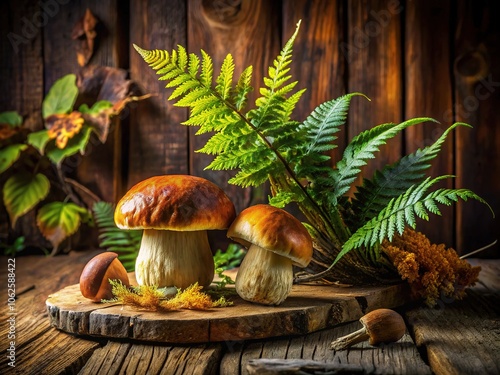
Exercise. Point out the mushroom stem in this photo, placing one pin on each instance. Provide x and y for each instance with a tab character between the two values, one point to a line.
351	339
171	258
264	277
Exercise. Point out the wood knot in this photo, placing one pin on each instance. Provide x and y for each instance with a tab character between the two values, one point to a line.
222	11
472	65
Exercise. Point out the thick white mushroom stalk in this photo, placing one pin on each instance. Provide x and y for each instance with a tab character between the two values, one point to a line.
264	277
171	258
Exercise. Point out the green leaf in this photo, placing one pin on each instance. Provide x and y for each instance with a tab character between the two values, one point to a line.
9	155
61	96
76	144
39	140
11	118
96	108
22	192
59	220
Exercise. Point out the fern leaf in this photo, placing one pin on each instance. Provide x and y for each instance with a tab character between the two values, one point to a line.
225	78
361	148
393	180
401	211
243	88
125	243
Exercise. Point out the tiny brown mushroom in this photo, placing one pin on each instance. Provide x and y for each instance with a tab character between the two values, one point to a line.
175	212
94	280
276	241
380	326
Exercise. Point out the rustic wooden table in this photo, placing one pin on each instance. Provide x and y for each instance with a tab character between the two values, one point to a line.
457	337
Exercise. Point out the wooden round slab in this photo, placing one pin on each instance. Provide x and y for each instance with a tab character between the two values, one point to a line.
307	309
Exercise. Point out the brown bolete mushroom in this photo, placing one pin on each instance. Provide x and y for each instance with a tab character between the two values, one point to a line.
94	280
381	326
276	241
175	212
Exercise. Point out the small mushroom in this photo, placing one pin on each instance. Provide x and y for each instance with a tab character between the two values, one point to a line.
94	280
175	212
381	326
276	241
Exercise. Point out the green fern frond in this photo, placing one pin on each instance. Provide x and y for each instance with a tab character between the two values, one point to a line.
393	181
401	212
361	148
125	243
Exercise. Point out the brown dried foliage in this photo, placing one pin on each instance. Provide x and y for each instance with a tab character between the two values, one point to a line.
433	271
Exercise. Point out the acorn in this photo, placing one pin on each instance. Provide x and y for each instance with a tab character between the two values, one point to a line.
94	280
381	326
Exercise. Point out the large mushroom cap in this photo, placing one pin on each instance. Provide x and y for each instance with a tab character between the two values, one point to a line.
175	202
275	230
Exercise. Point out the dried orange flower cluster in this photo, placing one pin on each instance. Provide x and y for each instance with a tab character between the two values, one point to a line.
431	270
153	298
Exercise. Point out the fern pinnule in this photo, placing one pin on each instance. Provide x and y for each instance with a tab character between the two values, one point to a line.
361	148
125	243
401	211
393	180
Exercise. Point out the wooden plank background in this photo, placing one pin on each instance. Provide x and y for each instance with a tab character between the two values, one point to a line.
439	59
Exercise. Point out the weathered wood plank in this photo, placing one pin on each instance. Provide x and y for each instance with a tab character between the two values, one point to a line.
454	335
477	88
318	64
127	358
397	358
428	93
34	281
96	170
373	53
158	144
249	31
22	60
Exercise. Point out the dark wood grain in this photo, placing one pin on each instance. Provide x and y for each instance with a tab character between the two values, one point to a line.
477	97
429	93
249	31
318	64
158	144
22	67
373	53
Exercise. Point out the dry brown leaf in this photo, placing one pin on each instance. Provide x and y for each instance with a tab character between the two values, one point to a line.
84	34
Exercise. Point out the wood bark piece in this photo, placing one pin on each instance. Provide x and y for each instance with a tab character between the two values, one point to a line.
307	309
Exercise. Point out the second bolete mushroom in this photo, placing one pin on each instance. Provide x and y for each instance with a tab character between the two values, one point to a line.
175	212
276	241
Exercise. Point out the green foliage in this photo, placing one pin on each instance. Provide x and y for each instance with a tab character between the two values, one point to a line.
32	161
11	118
11	250
61	96
22	192
226	260
59	220
266	144
125	243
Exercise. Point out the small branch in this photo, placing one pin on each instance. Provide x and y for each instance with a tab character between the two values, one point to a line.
83	189
67	188
479	250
